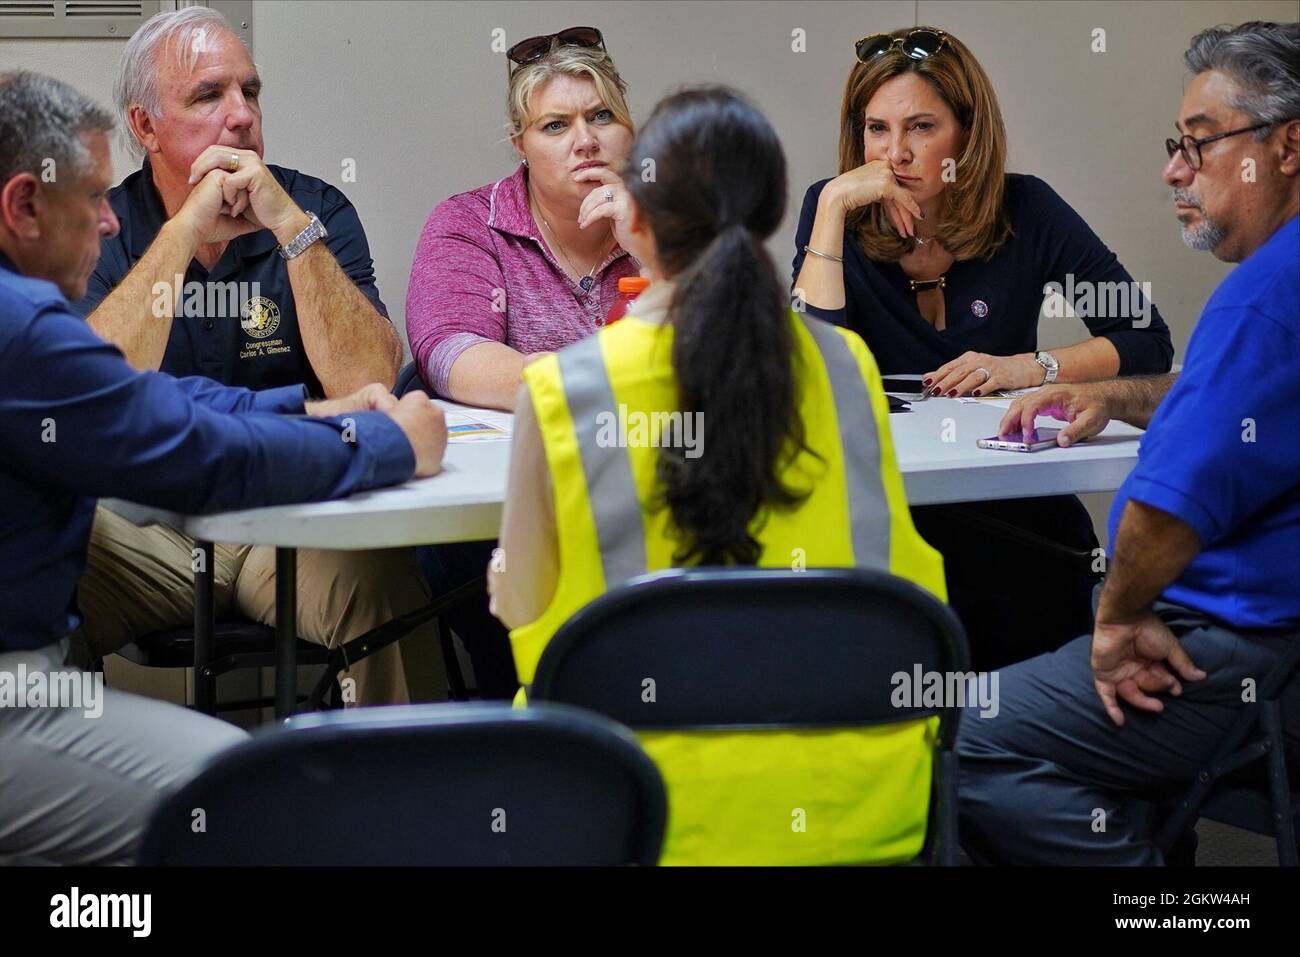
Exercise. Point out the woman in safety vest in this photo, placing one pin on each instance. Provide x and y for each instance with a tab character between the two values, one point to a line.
712	425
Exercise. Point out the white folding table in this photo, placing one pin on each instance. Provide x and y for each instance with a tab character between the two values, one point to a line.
934	444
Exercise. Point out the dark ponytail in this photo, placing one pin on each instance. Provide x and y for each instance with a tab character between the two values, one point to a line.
718	191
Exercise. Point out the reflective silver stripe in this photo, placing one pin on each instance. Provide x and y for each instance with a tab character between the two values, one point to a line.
610	487
869	516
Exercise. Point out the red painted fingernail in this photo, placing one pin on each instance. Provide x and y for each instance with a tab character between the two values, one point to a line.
927	381
976	392
951	393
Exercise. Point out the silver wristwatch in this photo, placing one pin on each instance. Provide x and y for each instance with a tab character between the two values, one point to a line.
1050	366
312	232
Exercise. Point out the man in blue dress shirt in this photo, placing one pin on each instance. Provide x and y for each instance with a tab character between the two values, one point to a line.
79	778
1203	589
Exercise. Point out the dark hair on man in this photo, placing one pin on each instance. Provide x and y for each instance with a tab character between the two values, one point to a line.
43	120
718	191
1263	59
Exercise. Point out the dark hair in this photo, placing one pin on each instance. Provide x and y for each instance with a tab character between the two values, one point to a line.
709	175
42	121
1263	59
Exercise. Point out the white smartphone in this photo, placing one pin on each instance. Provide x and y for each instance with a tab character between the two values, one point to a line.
1015	442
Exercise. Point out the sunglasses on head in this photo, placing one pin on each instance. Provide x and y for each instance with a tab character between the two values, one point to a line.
918	44
534	48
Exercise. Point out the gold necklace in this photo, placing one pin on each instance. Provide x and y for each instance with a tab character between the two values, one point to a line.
587	281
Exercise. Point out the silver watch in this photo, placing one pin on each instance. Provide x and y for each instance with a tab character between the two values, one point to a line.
1050	366
314	231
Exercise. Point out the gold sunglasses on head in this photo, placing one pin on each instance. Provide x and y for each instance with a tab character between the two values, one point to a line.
918	44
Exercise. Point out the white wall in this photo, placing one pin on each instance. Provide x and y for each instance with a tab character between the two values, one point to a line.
414	94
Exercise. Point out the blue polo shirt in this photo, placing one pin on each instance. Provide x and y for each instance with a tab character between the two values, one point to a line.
1222	452
225	327
77	422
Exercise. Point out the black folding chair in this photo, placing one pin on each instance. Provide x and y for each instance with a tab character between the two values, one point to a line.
741	649
408	380
1229	787
236	645
463	784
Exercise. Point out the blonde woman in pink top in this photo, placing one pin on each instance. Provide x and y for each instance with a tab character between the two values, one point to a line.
528	264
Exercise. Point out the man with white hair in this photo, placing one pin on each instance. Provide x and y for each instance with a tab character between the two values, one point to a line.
252	275
1202	595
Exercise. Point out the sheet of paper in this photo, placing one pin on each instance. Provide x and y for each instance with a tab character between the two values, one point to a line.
468	424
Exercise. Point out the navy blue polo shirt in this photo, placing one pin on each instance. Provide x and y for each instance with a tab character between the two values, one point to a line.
1222	452
225	327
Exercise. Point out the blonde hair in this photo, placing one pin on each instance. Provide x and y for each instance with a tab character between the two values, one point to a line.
975	224
589	63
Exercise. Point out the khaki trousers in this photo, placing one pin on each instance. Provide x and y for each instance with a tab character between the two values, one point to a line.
139	580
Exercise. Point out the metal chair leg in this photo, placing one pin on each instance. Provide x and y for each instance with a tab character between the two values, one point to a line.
455	680
205	680
1278	786
286	628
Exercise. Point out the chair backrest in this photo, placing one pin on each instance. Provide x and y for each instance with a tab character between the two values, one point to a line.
755	648
682	654
408	380
465	784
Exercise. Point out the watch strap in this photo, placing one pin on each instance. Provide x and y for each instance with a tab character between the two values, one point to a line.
1050	366
313	232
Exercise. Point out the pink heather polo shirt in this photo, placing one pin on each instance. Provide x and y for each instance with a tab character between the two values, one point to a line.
482	273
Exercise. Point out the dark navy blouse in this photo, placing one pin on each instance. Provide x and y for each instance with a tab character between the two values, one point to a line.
993	305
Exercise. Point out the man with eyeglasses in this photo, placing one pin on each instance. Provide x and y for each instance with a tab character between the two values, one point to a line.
1203	590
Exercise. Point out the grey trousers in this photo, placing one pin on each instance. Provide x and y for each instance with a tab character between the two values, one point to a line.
78	788
1051	780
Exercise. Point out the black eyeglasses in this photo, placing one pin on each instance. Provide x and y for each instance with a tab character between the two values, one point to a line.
918	44
1190	146
534	48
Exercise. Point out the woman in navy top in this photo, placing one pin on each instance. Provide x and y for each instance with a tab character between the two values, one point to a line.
923	196
940	260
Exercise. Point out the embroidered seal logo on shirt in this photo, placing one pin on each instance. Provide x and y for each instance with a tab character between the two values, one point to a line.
980	308
259	317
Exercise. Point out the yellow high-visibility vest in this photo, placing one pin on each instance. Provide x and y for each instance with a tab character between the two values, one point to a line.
745	797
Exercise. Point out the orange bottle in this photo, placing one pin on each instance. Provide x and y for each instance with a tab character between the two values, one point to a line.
629	287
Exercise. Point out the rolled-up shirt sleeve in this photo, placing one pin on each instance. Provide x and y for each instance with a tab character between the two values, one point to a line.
456	295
